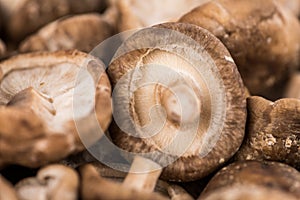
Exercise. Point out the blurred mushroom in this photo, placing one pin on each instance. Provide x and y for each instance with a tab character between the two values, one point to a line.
23	17
253	180
51	182
262	37
199	123
95	187
273	130
82	32
2	48
170	190
292	5
37	110
7	191
293	87
135	13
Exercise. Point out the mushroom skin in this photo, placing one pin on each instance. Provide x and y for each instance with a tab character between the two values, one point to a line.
23	17
51	182
81	32
266	180
292	89
190	166
95	187
7	191
36	106
262	37
272	131
2	48
292	5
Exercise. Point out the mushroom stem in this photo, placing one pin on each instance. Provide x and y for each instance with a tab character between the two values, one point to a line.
33	99
143	174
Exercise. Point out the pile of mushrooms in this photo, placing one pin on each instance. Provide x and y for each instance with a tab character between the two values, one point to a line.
135	99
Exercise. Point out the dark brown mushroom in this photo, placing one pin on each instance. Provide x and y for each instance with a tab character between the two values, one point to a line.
51	182
23	17
81	32
7	191
262	37
38	111
254	180
293	87
273	131
189	73
95	187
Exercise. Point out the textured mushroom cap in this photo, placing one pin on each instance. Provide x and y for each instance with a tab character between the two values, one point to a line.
201	149
23	17
51	182
2	48
260	178
262	37
292	90
37	114
273	131
82	32
7	191
138	13
95	187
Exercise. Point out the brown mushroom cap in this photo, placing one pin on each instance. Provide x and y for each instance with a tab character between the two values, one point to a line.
176	132
2	48
96	187
82	32
138	13
51	182
262	37
7	191
292	90
277	179
36	105
23	17
273	130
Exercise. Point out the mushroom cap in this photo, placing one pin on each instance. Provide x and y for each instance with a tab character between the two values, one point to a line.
210	99
2	48
262	37
23	17
96	187
42	97
135	13
292	5
81	32
53	181
6	190
272	131
260	178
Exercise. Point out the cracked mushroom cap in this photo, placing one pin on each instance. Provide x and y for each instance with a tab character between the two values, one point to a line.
135	13
95	187
36	106
267	180
292	90
23	17
273	131
200	118
51	182
7	191
82	32
262	37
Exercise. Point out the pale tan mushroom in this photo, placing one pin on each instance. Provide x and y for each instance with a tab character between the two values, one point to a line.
170	74
262	37
7	191
272	131
293	87
139	13
292	5
38	110
23	17
51	182
81	32
254	180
